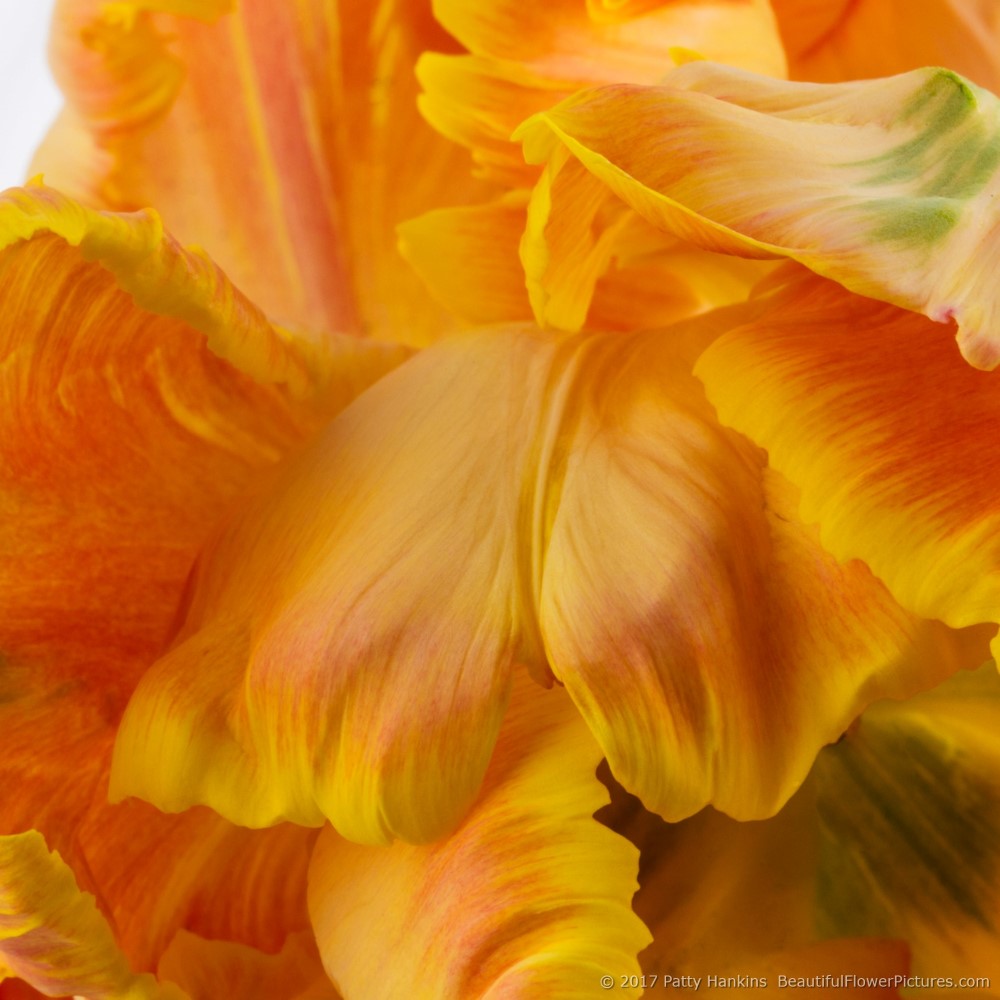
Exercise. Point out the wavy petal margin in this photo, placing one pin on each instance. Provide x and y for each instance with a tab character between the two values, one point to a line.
885	863
126	431
567	504
529	897
887	186
294	180
886	432
53	936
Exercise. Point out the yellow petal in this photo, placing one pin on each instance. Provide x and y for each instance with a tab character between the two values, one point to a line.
709	671
891	839
599	264
843	40
478	101
563	40
468	258
359	618
129	423
529	897
624	276
210	970
293	181
737	902
886	432
886	186
350	636
53	936
525	59
908	821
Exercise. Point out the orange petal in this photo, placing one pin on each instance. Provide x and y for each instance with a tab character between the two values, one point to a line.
129	423
886	432
154	874
350	637
131	419
53	936
529	897
209	970
886	186
846	39
293	179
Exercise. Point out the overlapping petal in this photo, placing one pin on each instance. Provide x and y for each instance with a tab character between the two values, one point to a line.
520	64
528	897
290	127
523	60
886	186
617	273
908	819
882	426
131	419
883	864
571	504
53	936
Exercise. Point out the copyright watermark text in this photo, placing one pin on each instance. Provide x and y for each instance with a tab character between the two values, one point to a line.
844	981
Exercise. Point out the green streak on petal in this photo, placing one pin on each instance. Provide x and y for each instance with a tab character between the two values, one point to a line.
941	103
913	222
966	168
909	830
954	148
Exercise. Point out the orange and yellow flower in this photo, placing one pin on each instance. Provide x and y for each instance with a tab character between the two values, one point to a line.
334	572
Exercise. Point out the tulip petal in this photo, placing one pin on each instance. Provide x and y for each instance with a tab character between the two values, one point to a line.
633	277
127	429
468	259
883	428
53	936
524	60
709	672
884	863
909	824
604	266
563	40
209	970
283	138
886	186
529	897
130	421
350	636
737	900
358	619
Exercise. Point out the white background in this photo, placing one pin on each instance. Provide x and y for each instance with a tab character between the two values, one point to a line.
29	98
